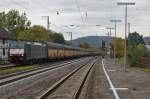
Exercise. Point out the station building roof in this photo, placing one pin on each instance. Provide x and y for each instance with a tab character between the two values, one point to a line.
5	34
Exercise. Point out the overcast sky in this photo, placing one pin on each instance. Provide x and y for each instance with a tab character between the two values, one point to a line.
73	12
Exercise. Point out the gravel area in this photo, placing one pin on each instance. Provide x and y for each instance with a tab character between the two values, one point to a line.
68	89
9	71
31	90
136	80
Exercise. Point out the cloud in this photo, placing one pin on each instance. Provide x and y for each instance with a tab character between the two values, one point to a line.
98	12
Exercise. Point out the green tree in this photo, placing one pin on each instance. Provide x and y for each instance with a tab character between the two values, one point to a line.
135	49
19	25
134	55
56	38
39	33
14	21
35	33
135	39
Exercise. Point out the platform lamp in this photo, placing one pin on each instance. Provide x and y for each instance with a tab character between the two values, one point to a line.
126	4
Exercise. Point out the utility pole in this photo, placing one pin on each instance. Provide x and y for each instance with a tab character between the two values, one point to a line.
70	33
115	21
48	22
126	4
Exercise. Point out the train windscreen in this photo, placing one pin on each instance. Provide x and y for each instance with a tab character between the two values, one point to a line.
16	46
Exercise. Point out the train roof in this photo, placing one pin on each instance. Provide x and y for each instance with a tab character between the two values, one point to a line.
54	45
5	34
24	42
61	46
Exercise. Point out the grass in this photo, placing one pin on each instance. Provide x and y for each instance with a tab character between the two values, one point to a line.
120	61
3	62
17	69
147	70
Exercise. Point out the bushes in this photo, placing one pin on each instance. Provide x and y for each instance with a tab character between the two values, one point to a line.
136	49
135	54
119	47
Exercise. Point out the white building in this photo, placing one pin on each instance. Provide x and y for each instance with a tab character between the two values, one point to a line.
5	39
148	47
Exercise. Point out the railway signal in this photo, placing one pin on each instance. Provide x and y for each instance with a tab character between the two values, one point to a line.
109	35
110	30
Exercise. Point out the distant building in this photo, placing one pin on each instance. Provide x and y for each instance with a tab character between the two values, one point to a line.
5	39
148	46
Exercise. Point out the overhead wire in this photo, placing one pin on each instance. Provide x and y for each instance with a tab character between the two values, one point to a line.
79	10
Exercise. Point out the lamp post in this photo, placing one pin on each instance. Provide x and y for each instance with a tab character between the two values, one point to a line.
115	21
126	4
70	33
109	34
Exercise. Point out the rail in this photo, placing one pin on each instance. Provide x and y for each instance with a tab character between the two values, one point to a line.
28	74
76	95
46	93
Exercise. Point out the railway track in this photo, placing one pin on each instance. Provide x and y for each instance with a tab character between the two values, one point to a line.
69	86
36	84
38	68
7	66
18	76
10	65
